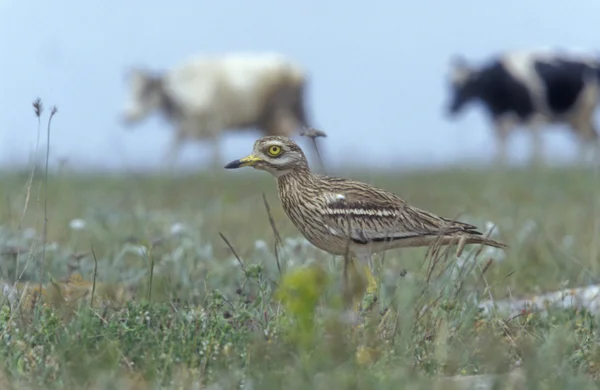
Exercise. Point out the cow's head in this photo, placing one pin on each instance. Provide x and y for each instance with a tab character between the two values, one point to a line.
145	95
463	85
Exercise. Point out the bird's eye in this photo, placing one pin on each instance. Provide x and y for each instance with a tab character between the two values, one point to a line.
274	150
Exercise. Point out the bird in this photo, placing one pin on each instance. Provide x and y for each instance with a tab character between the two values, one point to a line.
343	216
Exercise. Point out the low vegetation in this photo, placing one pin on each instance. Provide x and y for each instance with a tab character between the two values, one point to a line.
177	282
144	282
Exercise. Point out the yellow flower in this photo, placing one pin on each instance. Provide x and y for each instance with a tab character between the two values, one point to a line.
301	289
299	293
365	355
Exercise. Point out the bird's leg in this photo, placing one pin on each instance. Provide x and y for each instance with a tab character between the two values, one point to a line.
372	284
354	283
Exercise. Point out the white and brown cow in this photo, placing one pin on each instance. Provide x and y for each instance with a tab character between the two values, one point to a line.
531	88
207	95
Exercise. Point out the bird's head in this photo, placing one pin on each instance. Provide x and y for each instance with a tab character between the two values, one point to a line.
274	154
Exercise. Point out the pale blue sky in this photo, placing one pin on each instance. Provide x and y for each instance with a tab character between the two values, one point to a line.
377	70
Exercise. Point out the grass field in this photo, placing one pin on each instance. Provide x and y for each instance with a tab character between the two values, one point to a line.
174	308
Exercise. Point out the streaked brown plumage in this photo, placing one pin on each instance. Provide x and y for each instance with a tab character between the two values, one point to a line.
337	215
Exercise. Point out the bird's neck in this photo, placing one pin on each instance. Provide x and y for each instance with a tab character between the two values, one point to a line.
298	177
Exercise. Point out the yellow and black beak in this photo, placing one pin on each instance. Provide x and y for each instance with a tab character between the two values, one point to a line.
243	162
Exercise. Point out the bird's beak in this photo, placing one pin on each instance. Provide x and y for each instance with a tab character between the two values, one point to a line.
243	162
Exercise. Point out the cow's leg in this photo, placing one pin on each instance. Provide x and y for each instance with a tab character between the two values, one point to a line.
582	124
174	150
590	151
211	136
535	126
594	146
502	127
589	143
204	130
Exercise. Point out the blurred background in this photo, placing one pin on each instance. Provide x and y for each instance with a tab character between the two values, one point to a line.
194	257
377	73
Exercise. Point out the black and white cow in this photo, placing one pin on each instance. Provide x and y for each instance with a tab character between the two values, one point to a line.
207	95
531	88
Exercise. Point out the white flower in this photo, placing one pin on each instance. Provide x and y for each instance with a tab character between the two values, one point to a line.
29	233
260	245
77	224
141	250
528	228
52	246
177	228
568	241
489	226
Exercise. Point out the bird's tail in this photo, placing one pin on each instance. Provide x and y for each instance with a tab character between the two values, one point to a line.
463	239
486	241
476	239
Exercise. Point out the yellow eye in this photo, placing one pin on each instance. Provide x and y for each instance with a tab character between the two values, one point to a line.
274	150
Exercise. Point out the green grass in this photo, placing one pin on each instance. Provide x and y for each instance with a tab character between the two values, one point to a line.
186	314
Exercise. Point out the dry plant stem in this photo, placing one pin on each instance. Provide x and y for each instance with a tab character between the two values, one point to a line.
95	273
435	257
433	253
38	108
234	253
486	266
278	241
242	264
487	285
313	134
45	230
151	258
474	264
316	146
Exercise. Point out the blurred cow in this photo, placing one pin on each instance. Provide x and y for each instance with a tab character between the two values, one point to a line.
207	95
534	88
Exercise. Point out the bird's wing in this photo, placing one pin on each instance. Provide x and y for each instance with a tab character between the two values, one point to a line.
381	216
